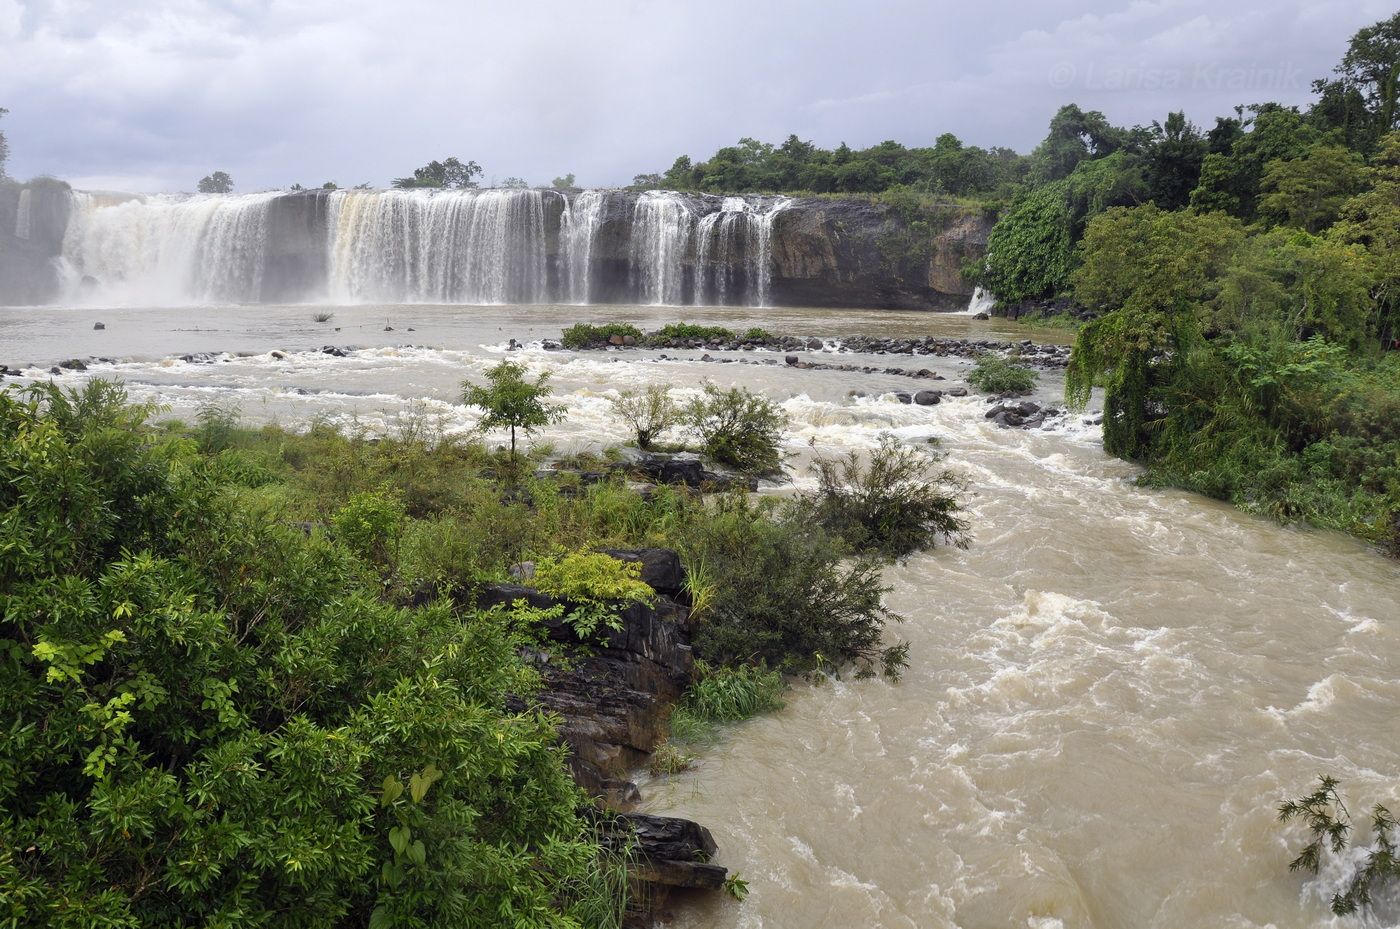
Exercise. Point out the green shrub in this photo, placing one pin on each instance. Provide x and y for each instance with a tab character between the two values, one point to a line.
995	374
648	414
757	334
215	719
370	525
786	595
217	423
688	331
594	586
739	428
586	335
894	506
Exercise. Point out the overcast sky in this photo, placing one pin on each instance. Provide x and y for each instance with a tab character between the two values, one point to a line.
141	95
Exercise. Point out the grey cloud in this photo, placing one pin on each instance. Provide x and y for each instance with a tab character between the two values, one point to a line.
155	94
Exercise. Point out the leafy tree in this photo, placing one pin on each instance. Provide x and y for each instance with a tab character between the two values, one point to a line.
563	183
1074	136
895	505
1174	161
1230	182
739	428
1367	86
217	183
515	183
1372	220
1308	192
330	185
215	718
450	173
512	402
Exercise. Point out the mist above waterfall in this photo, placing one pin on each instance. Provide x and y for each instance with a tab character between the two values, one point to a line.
493	246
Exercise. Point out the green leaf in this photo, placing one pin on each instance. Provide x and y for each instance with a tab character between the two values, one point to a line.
398	838
393	789
417	852
379	918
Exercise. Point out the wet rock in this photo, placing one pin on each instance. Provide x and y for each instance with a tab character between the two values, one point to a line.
661	568
957	391
96	326
615	340
388	328
629	340
928	397
790	360
278	355
903	397
73	364
332	351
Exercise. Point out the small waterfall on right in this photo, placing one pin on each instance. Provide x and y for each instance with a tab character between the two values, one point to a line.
981	302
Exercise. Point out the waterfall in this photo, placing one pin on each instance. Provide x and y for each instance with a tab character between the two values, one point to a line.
661	231
737	235
580	224
981	302
493	246
170	248
444	246
24	213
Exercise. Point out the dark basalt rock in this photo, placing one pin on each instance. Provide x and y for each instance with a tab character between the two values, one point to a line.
1020	415
614	699
928	397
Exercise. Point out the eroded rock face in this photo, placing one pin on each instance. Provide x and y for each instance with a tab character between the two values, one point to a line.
614	699
33	219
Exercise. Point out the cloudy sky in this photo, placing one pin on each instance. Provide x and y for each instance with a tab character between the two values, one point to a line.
144	95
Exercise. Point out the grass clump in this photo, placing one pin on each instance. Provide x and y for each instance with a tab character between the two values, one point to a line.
587	335
732	694
895	505
322	317
995	374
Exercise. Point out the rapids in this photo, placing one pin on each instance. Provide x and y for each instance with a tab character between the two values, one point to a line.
1109	692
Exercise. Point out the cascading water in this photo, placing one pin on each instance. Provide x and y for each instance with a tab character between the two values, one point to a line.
422	246
459	246
662	225
170	248
581	220
981	302
24	214
737	237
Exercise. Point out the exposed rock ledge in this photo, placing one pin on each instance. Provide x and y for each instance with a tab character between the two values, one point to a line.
614	699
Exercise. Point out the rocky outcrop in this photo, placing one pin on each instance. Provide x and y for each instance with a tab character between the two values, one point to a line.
856	253
33	218
614	697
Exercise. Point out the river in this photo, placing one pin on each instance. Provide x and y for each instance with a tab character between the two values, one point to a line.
1109	692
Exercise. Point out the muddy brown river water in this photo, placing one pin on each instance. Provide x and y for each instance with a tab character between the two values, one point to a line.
1109	692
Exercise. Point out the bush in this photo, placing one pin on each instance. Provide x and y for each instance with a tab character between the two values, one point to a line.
647	414
217	423
994	374
214	719
757	334
370	525
785	595
586	335
895	506
739	428
682	332
594	586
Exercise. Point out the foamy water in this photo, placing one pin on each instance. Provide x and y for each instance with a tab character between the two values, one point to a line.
1109	692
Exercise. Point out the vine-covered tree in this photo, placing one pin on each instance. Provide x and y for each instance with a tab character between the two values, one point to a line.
217	183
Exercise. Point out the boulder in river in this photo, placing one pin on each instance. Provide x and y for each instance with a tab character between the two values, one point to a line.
928	397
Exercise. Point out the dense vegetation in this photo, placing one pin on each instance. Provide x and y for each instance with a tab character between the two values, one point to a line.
1330	831
1243	290
246	682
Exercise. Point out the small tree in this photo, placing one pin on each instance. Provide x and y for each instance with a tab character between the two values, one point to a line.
647	414
896	505
512	402
739	428
515	183
563	183
451	173
217	183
